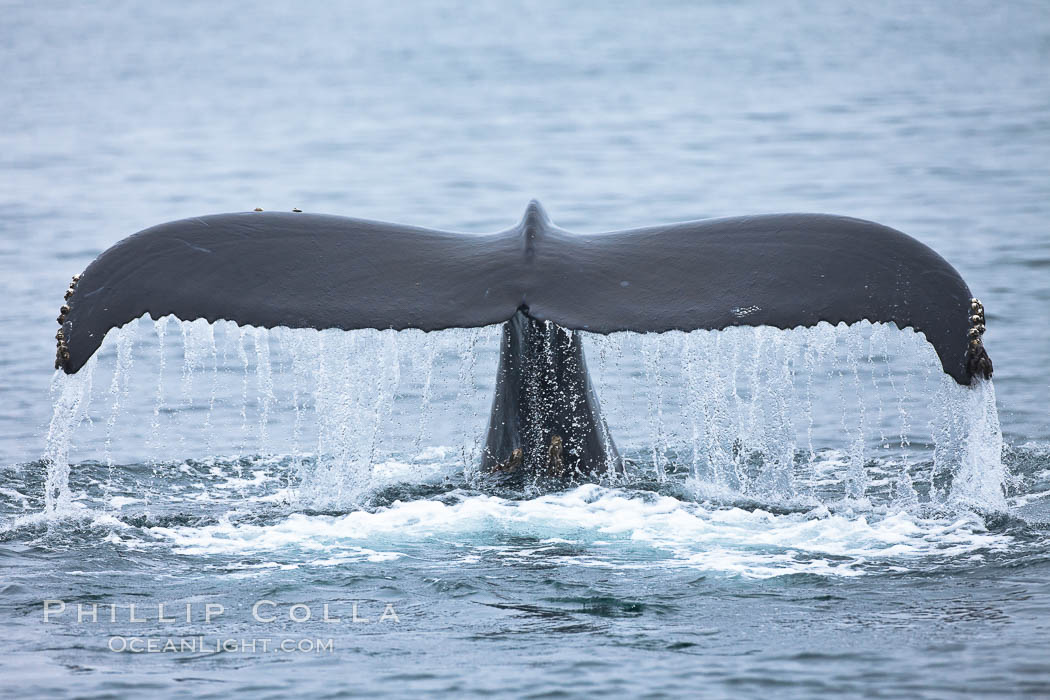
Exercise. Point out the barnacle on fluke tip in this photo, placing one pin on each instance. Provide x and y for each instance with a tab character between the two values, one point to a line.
977	361
62	353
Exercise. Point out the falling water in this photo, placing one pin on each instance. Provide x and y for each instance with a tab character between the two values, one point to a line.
802	414
119	386
849	415
70	394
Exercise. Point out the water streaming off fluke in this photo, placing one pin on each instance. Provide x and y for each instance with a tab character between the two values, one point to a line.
846	416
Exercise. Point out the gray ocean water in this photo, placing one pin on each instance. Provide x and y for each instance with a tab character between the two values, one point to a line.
804	512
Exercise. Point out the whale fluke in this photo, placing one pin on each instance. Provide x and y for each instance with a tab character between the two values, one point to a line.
310	270
544	285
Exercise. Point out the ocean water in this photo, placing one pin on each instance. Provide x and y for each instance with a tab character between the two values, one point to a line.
804	512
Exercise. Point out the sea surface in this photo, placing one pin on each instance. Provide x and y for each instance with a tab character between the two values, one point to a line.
803	512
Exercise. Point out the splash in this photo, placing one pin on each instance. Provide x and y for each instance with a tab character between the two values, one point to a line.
761	412
70	396
857	417
595	526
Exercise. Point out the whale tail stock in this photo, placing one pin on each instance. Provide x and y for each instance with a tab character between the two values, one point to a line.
302	270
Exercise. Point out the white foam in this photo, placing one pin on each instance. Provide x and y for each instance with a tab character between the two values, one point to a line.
608	528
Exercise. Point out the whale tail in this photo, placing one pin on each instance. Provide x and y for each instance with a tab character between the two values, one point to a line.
309	270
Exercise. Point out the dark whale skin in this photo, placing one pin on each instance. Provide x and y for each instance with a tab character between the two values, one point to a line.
543	394
311	270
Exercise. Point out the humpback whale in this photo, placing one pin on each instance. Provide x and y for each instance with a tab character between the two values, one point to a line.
543	283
